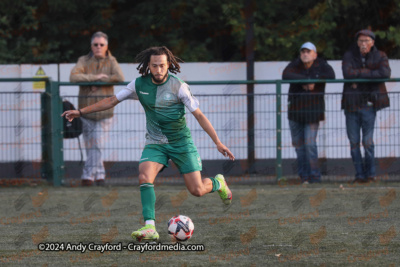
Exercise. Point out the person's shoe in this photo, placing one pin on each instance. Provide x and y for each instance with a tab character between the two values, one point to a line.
147	233
224	191
100	182
86	182
305	180
359	181
371	179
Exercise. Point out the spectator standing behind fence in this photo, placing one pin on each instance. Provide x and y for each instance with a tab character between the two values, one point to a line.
98	66
361	101
307	108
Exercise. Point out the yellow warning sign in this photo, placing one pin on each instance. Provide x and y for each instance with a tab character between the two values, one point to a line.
39	74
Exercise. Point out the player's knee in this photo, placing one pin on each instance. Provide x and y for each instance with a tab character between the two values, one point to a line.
143	178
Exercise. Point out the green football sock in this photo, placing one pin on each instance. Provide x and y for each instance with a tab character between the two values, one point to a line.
148	198
215	184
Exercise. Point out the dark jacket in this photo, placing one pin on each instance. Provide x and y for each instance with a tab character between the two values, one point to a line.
307	106
376	67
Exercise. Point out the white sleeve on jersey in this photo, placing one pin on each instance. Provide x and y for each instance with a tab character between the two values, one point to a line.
129	92
187	98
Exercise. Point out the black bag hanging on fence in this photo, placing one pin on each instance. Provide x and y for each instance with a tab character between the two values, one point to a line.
72	129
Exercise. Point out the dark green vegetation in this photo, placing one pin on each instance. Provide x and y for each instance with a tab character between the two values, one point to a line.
57	31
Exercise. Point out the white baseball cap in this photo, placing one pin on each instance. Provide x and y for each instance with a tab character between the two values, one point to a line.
309	46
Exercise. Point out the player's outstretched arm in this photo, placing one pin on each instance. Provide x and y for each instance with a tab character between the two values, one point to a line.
104	104
209	129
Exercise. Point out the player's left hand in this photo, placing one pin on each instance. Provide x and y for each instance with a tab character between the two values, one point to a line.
225	151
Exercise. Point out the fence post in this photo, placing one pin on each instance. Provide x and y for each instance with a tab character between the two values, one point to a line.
58	132
278	166
46	133
52	134
250	44
250	129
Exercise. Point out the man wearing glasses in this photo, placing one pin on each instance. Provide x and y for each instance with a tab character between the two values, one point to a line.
98	66
361	101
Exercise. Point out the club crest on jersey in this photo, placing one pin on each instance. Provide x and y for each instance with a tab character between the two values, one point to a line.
168	97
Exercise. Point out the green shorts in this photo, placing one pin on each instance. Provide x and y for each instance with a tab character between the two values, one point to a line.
185	156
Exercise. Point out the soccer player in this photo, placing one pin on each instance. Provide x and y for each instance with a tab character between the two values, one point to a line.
164	97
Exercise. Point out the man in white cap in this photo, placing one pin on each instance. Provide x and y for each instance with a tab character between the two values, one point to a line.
361	101
307	108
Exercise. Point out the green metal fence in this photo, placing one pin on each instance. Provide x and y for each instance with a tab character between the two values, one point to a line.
51	141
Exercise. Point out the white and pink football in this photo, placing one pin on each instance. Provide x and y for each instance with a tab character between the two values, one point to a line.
180	228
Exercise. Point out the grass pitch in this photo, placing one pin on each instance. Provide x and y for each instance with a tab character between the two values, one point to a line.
266	225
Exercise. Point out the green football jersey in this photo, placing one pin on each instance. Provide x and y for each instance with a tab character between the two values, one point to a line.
164	105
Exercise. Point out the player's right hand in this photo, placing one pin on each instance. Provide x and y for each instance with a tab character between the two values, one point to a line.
71	114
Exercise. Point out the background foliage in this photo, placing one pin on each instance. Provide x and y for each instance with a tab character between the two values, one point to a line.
56	31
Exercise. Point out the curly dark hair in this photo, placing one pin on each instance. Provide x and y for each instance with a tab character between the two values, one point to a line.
144	59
